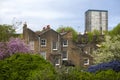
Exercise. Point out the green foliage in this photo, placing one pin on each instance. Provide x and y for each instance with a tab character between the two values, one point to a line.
34	67
83	40
68	73
110	50
67	29
107	75
90	36
96	32
97	35
6	31
26	67
77	74
115	31
93	34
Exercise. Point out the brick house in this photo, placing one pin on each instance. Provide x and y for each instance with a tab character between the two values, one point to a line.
58	48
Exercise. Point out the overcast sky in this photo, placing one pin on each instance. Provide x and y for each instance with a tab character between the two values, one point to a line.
39	13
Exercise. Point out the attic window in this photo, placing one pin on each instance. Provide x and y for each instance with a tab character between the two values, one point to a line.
43	42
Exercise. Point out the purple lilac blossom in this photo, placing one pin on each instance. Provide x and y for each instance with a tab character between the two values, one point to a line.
15	45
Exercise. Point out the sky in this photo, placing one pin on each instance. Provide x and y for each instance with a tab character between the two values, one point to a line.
39	13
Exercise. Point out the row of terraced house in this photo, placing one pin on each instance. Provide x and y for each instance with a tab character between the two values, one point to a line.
59	48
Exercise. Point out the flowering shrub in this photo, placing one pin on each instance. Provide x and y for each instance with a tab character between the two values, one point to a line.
114	65
109	50
3	50
15	45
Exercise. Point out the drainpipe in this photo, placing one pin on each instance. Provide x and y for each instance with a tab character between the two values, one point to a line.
39	43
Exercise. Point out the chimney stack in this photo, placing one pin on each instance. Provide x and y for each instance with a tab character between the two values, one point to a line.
63	30
25	25
46	28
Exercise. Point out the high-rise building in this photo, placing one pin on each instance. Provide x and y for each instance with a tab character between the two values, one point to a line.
96	20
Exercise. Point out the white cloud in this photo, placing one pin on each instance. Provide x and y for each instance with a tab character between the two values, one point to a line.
53	12
31	8
48	15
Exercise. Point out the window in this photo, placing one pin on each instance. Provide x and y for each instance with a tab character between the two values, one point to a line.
54	45
86	52
64	55
86	61
31	43
65	43
57	61
43	42
43	54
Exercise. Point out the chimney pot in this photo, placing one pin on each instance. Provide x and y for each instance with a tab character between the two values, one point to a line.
48	26
63	30
43	28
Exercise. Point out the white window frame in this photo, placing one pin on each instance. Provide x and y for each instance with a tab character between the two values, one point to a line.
57	64
86	52
43	42
64	44
31	43
53	45
44	56
86	61
66	56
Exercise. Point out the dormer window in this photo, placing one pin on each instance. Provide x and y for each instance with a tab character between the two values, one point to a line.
43	42
65	43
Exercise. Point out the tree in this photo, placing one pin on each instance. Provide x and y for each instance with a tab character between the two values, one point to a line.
66	29
95	34
115	31
109	50
90	36
6	31
26	67
14	45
